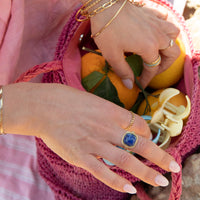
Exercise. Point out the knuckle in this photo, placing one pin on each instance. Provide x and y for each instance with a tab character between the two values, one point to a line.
113	181
123	159
177	51
152	45
176	31
96	168
143	146
165	160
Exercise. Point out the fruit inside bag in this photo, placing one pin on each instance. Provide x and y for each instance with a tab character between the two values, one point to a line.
67	67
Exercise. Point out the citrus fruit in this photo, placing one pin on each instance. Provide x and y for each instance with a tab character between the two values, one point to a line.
92	62
177	100
173	74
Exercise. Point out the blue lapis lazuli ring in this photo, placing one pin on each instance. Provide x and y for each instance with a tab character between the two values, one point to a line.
129	139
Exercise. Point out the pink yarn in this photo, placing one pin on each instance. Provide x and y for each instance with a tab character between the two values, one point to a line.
70	182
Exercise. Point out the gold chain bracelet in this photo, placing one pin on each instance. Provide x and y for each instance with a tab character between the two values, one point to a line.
1	111
84	10
85	15
111	20
102	8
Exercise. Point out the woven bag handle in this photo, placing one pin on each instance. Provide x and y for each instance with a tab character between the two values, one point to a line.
40	69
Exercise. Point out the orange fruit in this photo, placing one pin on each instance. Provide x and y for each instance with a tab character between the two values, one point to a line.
177	100
173	74
92	62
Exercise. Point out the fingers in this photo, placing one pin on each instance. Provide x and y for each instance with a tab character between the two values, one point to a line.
139	125
100	171
159	13
131	164
168	57
120	67
170	29
150	151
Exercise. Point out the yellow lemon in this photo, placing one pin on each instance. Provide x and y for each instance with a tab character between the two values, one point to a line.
173	74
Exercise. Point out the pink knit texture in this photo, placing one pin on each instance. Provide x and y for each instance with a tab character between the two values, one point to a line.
70	182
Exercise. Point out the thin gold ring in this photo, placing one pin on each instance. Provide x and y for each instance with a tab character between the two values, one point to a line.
155	63
131	122
171	44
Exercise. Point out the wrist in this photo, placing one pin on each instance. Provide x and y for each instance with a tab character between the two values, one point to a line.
17	110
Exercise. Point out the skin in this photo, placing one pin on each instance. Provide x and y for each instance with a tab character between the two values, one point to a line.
59	114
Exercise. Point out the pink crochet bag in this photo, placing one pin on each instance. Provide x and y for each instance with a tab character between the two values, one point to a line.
70	182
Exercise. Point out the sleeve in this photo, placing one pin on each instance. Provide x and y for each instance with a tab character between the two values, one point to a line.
11	32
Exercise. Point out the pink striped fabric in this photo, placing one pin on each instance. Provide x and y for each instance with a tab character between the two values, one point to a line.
19	177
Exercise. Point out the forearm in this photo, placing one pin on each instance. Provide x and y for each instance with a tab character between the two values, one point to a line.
20	108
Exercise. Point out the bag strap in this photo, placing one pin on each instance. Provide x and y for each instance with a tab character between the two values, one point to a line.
40	69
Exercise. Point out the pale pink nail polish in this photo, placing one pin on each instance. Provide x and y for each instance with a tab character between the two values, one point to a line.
129	189
128	83
174	167
161	181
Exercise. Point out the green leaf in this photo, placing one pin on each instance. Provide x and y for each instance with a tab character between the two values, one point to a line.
91	80
108	91
138	102
107	67
136	64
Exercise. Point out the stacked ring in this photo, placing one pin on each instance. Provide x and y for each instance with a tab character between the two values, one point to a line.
155	63
131	122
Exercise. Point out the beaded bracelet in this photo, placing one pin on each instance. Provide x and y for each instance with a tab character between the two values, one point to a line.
1	111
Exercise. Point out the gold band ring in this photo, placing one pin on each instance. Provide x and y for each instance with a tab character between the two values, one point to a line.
131	122
171	43
155	63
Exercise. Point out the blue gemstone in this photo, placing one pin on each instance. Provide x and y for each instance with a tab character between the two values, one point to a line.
129	139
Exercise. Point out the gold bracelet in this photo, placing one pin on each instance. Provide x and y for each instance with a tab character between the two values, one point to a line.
84	11
102	8
137	3
1	111
85	15
80	10
116	14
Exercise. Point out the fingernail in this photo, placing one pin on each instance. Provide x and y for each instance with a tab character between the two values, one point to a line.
161	181
151	136
174	167
129	189
128	83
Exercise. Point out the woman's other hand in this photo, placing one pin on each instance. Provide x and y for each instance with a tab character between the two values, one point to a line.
142	30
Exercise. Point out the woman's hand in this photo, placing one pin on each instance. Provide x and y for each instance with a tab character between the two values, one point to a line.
142	30
81	128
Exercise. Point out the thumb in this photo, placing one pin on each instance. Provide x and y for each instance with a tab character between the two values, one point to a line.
121	68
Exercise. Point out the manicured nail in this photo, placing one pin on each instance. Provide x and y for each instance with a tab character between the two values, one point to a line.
174	167
128	83
161	181
129	189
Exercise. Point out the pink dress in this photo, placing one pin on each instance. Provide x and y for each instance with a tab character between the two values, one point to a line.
21	47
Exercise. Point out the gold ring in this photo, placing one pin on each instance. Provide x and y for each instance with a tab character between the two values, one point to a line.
171	43
155	63
131	122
